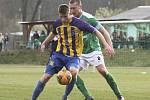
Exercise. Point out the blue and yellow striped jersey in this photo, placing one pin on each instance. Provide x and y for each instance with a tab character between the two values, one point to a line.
70	41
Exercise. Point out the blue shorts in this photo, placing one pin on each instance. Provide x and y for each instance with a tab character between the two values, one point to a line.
57	61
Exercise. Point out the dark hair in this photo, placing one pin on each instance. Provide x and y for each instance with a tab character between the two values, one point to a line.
75	1
63	8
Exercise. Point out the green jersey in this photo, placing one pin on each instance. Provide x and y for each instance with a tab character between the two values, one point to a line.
90	40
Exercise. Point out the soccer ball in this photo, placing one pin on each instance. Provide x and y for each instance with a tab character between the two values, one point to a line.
64	77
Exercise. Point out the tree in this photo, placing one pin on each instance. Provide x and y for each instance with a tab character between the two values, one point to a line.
36	10
24	9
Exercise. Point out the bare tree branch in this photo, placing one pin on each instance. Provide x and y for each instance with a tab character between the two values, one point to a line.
36	10
24	9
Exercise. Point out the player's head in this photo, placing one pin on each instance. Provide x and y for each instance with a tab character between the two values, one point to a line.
75	7
63	10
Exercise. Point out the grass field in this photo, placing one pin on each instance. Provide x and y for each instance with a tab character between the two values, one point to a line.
123	57
18	81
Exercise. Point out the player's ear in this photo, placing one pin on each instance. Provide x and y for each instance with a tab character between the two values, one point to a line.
80	6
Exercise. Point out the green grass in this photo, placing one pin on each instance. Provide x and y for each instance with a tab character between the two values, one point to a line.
17	83
123	57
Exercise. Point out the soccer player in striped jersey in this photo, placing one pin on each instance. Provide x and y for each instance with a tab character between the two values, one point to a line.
92	53
70	45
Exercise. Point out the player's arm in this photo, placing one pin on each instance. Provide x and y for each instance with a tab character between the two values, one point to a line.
99	27
89	28
107	47
47	40
102	30
106	35
50	37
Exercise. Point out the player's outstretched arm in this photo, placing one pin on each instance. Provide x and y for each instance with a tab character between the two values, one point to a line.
108	48
107	38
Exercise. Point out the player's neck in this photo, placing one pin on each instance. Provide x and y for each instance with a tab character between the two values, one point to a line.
69	19
80	14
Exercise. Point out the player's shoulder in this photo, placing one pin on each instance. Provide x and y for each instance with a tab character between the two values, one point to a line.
77	20
88	18
57	22
87	15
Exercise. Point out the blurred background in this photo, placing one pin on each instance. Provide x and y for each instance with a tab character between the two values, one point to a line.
127	21
24	24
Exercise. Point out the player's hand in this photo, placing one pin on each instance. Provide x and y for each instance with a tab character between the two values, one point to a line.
42	48
109	51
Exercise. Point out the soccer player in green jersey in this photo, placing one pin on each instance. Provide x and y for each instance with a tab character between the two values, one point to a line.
92	53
